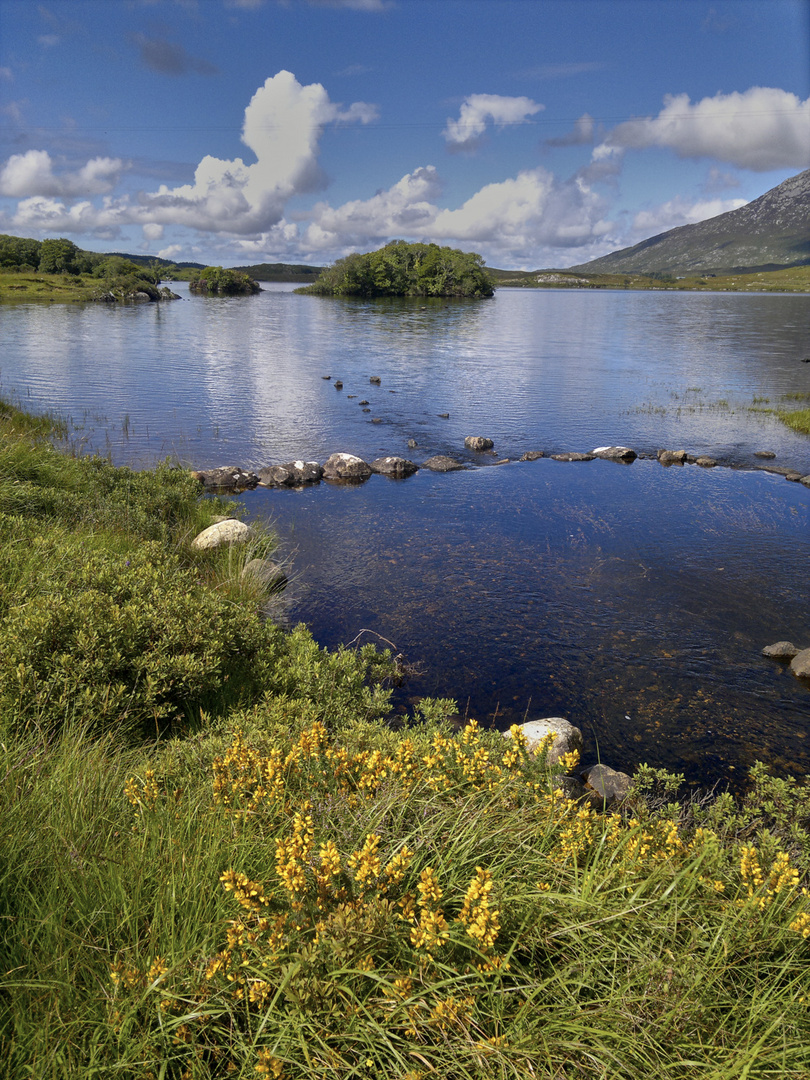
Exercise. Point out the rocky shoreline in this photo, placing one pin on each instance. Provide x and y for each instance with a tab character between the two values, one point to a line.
344	468
597	784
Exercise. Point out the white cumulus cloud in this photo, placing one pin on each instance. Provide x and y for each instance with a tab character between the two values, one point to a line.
479	110
406	209
762	128
32	173
520	219
680	211
282	126
533	209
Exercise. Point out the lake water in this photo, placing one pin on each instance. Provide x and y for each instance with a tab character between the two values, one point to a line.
633	600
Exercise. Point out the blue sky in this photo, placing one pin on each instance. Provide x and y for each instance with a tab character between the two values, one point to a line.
539	133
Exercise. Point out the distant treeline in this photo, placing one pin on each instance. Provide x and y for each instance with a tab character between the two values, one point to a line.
402	269
280	271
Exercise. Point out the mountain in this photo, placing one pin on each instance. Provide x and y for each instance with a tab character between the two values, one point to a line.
770	233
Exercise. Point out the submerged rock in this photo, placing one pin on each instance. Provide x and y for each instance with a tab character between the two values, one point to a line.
572	456
398	467
346	468
229	531
782	650
532	455
764	454
705	462
442	463
267	572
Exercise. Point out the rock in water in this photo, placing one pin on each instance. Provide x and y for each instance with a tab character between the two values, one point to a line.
478	442
226	478
442	463
267	572
346	468
615	453
782	650
397	467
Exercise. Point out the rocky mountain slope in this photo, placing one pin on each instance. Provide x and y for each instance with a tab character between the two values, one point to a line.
768	233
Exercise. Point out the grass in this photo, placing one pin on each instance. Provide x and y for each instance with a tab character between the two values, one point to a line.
64	288
793	279
271	881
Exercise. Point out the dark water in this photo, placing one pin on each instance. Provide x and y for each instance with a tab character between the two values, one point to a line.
633	600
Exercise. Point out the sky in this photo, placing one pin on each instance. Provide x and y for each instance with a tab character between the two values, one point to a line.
539	133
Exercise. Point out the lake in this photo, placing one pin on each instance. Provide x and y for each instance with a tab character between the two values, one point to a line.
633	600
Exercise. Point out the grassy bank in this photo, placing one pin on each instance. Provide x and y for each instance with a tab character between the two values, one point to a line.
793	279
217	859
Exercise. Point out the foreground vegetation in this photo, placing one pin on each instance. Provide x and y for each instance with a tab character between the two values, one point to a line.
401	269
217	858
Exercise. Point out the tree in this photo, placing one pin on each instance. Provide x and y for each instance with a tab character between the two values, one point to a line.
62	257
402	269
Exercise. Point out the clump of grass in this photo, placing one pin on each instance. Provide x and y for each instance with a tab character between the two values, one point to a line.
797	419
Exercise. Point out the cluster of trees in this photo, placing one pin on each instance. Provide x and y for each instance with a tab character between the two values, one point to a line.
115	273
215	280
402	269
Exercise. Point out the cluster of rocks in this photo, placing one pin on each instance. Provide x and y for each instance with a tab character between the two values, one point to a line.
598	785
799	659
229	531
347	468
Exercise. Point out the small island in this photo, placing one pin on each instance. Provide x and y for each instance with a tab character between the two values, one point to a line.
402	269
214	281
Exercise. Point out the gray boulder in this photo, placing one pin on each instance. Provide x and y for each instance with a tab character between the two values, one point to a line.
705	462
442	463
346	468
572	456
609	786
800	664
398	467
226	478
782	650
478	442
229	531
805	480
291	474
566	736
531	455
615	453
764	454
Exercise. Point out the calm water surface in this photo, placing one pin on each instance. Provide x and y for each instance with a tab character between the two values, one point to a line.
633	600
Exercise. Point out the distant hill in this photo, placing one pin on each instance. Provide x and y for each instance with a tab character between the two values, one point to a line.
770	233
153	260
299	272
